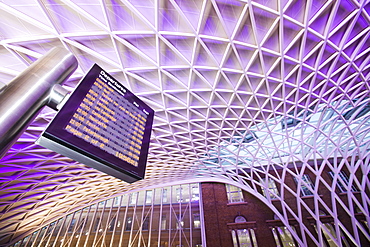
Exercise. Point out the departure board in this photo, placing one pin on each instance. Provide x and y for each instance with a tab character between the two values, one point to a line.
103	125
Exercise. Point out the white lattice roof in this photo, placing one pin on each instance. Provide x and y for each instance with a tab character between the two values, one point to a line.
238	87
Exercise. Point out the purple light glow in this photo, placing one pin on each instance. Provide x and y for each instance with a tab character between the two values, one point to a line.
210	69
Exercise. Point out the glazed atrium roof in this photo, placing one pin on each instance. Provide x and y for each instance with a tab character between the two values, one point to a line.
239	89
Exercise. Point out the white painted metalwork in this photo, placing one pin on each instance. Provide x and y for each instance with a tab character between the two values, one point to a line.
242	90
107	223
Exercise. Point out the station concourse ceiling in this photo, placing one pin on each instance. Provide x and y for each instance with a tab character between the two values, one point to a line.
238	87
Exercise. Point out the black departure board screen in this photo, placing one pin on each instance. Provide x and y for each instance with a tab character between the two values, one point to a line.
103	125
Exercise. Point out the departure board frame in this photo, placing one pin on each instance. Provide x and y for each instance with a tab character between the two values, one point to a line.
103	125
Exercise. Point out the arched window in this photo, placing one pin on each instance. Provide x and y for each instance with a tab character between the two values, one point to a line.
243	237
240	219
282	235
322	213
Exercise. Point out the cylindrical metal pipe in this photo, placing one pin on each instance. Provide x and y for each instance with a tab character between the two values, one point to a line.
26	94
57	95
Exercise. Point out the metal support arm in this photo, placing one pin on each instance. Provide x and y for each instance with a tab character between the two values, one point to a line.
34	88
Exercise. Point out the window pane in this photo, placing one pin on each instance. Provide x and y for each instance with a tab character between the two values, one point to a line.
306	188
343	182
117	201
240	219
235	241
331	236
306	185
195	192
148	197
140	198
276	237
133	198
164	195
254	240
179	194
274	193
163	222
146	223
234	194
196	220
128	224
244	239
73	222
111	224
96	224
285	236
272	189
180	222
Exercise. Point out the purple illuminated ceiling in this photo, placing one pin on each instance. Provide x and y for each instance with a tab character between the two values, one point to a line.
213	71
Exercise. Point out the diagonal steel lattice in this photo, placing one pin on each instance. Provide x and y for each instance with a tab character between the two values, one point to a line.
241	89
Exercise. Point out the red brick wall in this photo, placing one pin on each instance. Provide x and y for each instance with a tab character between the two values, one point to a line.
217	213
